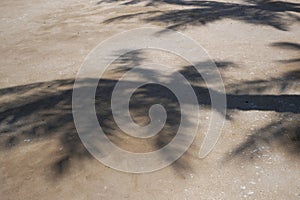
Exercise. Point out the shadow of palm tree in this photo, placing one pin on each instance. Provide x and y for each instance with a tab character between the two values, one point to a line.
284	130
44	110
277	14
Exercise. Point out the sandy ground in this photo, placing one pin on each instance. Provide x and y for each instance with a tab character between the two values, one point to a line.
256	46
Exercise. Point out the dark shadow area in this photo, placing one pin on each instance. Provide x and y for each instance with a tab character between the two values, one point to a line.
276	14
43	110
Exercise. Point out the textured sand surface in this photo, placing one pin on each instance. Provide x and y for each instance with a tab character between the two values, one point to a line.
256	46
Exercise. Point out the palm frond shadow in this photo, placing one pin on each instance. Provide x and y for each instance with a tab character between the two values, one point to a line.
289	46
276	14
43	110
284	130
282	133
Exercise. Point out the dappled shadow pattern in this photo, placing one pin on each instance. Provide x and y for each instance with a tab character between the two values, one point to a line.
283	132
277	14
44	110
287	81
41	111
